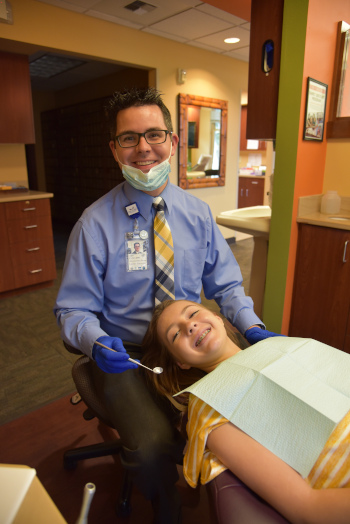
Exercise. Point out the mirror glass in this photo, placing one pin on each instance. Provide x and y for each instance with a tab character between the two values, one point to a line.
338	125
343	108
202	141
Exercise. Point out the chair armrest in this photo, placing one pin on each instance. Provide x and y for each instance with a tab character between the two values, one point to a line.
71	349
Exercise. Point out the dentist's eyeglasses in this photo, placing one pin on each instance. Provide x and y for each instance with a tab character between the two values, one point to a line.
152	137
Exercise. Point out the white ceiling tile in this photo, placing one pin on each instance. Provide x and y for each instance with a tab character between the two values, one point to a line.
195	43
163	9
64	5
164	35
191	24
113	19
217	39
187	21
240	54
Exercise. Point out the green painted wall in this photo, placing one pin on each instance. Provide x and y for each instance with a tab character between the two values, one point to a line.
289	103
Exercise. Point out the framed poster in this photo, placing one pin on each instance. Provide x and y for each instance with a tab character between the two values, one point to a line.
315	110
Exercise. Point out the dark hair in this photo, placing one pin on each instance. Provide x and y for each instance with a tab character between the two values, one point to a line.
134	97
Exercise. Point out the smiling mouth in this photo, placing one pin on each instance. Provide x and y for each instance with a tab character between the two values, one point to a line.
145	163
202	337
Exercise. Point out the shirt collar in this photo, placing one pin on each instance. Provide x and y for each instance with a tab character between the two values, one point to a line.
144	201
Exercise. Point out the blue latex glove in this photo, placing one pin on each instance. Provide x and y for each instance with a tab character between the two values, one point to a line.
111	361
255	334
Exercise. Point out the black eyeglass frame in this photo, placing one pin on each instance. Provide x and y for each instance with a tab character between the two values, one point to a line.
144	136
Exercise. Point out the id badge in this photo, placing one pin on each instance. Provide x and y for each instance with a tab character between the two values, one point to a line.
136	251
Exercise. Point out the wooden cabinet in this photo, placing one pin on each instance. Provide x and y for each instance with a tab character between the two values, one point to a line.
27	241
321	298
251	191
79	165
243	146
265	25
16	108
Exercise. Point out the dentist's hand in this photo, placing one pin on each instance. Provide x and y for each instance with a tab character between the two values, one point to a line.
111	361
256	334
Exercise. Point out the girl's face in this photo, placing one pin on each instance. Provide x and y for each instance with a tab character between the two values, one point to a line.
195	336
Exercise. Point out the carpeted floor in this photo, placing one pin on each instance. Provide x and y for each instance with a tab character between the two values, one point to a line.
38	423
39	440
35	369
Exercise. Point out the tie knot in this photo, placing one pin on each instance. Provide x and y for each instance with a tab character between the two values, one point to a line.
158	203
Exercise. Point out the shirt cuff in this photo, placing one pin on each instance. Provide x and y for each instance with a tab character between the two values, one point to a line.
245	319
88	339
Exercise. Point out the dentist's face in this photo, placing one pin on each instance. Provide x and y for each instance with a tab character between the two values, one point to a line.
195	336
144	156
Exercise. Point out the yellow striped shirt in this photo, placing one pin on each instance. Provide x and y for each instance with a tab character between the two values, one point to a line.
331	469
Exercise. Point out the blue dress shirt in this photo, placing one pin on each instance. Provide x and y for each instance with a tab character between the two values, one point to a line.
98	296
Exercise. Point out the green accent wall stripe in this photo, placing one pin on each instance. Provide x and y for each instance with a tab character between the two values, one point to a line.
287	136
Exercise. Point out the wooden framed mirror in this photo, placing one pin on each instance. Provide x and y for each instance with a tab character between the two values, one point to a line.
338	125
202	141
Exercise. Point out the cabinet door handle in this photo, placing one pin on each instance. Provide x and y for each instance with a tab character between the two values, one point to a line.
241	192
29	209
246	192
35	271
33	249
255	182
31	227
344	254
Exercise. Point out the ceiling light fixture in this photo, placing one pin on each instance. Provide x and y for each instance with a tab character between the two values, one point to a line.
232	40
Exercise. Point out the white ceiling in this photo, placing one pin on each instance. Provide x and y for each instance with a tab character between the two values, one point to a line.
187	21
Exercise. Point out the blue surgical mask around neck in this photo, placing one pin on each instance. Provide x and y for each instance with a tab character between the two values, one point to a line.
149	181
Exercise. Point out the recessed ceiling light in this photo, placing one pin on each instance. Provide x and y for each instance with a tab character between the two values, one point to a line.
231	40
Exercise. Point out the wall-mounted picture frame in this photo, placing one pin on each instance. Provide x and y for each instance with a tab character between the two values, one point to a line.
315	110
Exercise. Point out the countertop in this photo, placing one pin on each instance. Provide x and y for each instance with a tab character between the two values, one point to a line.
246	175
16	196
309	213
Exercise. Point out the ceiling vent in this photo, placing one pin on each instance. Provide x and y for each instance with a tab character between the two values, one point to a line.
140	8
49	65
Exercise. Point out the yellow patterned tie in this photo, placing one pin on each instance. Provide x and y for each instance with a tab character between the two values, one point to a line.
164	255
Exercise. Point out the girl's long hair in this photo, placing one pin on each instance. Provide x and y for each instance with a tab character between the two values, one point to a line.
173	379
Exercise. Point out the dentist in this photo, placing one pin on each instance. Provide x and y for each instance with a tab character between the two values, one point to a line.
107	294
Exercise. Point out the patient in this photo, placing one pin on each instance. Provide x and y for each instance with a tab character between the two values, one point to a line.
189	341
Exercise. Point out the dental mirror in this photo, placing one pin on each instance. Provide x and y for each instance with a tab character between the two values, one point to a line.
157	370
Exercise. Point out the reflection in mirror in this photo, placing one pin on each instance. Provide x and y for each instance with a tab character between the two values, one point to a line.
343	108
338	125
202	145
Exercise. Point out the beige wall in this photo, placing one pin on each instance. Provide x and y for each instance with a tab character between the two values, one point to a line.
208	74
337	168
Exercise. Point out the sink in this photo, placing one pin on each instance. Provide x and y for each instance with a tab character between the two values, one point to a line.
253	220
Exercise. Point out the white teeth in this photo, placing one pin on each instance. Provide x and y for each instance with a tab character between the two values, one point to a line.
203	335
144	163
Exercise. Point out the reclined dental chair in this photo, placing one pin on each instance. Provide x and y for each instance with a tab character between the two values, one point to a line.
231	502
